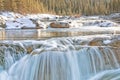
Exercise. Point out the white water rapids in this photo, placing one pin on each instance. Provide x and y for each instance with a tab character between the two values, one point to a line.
64	59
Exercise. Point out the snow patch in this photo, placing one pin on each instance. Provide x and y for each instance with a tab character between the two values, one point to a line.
107	41
19	23
12	20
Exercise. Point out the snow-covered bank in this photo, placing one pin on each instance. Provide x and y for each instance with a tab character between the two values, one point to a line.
10	20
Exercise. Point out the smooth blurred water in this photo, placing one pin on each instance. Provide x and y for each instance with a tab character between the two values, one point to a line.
59	59
1	68
37	34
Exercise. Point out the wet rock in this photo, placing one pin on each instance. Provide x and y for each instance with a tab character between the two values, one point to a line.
96	42
14	51
2	25
29	47
115	43
59	25
25	27
2	60
2	22
39	24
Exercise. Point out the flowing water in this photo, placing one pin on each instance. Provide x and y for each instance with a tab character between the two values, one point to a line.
57	59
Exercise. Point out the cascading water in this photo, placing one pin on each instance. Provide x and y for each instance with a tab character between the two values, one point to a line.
10	53
58	59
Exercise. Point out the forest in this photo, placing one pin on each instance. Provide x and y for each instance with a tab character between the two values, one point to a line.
62	7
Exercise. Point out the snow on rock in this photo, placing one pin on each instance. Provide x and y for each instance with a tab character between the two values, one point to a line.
49	16
115	15
10	20
41	24
100	23
107	41
91	18
41	16
107	24
75	24
19	23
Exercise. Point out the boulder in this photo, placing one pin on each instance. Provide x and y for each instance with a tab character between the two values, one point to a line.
115	43
2	22
59	25
39	24
96	42
2	26
24	27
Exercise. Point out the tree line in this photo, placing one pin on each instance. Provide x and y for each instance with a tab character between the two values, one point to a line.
22	6
62	7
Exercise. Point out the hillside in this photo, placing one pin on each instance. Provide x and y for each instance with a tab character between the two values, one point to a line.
64	7
22	6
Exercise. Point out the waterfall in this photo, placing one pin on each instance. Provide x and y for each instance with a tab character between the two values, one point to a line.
60	59
10	53
107	75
